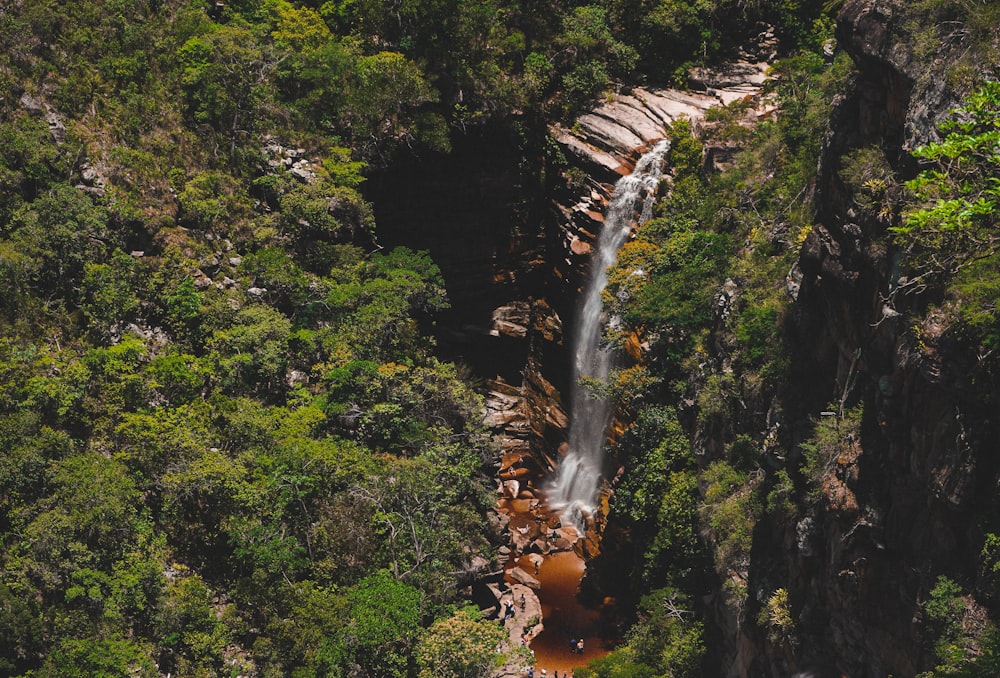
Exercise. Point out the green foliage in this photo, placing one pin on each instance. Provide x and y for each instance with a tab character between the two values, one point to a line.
956	202
677	547
655	445
666	641
189	627
383	623
183	308
423	531
945	609
983	661
249	354
667	637
776	617
867	172
342	170
226	79
29	162
732	506
61	231
375	302
948	233
393	406
316	216
669	285
934	22
382	103
781	498
109	297
211	200
592	55
98	658
686	152
460	646
199	480
624	388
833	436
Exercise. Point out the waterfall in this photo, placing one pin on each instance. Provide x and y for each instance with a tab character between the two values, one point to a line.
576	487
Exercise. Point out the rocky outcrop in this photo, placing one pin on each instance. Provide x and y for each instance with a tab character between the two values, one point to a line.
42	109
899	506
607	140
604	143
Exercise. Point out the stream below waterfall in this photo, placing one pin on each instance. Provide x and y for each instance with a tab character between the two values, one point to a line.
565	617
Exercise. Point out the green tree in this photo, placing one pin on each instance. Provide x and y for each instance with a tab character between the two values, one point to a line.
949	227
668	637
954	216
182	306
423	532
592	55
109	292
227	76
383	107
383	624
61	231
30	162
98	658
250	353
190	633
460	646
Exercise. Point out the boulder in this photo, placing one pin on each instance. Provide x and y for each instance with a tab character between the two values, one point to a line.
522	577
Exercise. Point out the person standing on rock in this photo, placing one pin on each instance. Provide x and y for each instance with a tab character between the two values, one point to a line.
531	672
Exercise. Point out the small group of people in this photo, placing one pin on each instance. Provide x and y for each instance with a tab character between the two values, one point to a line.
576	645
555	674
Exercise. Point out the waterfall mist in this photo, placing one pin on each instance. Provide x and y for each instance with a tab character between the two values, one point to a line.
577	484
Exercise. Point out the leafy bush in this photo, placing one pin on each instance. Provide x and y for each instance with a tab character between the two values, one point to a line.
834	435
461	646
731	509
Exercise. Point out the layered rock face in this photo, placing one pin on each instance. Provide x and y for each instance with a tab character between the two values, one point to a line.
901	506
601	146
514	254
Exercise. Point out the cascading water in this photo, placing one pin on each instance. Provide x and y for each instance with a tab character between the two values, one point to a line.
577	484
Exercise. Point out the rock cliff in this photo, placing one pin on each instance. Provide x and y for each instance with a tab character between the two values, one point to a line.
903	504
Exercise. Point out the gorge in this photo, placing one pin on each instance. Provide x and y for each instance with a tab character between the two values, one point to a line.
836	280
304	310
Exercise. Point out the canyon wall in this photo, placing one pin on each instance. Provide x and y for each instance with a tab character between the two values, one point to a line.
906	503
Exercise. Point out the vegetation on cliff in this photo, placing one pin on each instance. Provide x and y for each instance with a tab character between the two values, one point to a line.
709	287
228	445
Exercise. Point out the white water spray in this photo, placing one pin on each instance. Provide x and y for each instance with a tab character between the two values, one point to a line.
577	484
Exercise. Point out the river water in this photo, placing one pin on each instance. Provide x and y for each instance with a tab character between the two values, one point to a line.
565	618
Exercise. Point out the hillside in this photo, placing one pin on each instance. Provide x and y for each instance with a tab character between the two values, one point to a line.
253	261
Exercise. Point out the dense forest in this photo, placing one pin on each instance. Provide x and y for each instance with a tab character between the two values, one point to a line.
232	446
